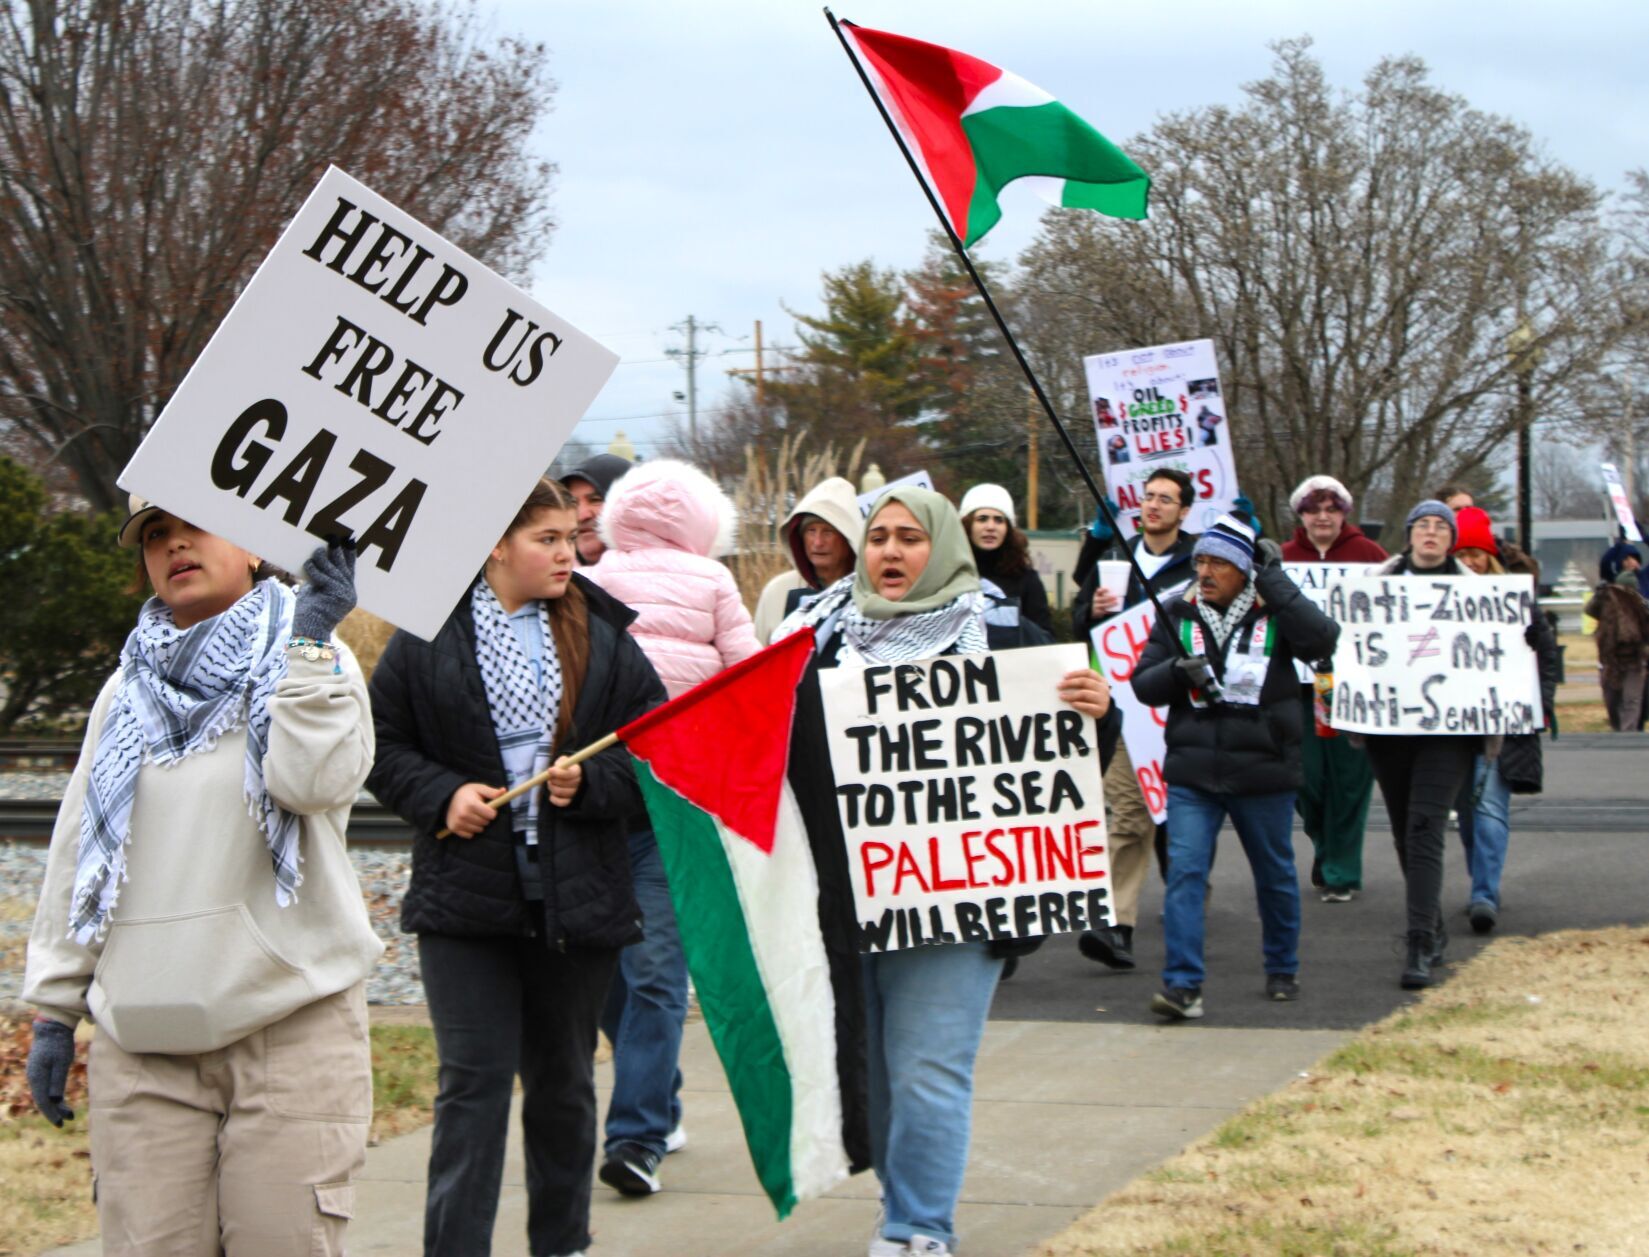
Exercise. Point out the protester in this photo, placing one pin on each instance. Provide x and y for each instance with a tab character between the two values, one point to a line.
1002	553
661	522
914	594
589	482
1623	556
521	913
1485	805
1233	738
1622	638
822	535
1163	552
1421	775
1337	782
199	898
1457	497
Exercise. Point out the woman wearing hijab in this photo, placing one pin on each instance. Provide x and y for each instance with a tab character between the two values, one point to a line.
914	594
520	914
200	905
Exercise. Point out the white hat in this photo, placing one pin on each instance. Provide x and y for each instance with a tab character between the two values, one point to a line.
1318	484
991	497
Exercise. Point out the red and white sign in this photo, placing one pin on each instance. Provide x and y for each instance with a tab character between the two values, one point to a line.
1118	643
1618	499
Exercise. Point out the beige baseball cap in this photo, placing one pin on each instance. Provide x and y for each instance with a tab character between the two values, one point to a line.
130	535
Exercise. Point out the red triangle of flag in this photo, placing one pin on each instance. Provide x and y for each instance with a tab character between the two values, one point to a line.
724	746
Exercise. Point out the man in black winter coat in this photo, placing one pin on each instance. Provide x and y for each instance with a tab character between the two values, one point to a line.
1233	737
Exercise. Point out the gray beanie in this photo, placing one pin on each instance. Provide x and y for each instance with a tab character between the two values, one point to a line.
1431	506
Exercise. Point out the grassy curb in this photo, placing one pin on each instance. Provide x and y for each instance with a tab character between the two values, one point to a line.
1506	1111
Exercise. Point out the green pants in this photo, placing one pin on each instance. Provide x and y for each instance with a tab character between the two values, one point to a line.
1333	802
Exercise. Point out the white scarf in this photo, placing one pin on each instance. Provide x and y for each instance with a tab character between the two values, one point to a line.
524	705
180	691
957	627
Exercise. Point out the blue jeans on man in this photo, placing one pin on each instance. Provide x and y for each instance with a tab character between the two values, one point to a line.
646	1008
1485	830
1264	824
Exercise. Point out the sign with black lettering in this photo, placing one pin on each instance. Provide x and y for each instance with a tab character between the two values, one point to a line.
1435	655
970	798
375	382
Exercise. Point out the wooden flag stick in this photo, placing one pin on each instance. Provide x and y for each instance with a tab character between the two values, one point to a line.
532	783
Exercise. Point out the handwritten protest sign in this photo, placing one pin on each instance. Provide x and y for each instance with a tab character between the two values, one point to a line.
1314	580
970	798
1118	643
372	381
916	480
1162	407
1440	655
1622	504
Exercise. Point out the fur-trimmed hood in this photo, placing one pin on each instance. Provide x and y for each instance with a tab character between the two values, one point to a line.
670	504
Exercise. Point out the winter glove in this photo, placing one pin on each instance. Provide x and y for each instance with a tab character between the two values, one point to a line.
50	1055
328	593
1532	636
1268	552
1100	529
1198	675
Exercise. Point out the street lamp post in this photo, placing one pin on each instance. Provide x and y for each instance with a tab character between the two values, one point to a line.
1519	349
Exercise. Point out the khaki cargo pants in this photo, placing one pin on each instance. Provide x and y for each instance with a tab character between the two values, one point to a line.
1131	832
248	1151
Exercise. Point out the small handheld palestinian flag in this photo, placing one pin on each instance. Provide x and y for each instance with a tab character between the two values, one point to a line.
978	128
769	938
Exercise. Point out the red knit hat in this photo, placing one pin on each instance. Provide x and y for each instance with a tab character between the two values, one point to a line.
1474	530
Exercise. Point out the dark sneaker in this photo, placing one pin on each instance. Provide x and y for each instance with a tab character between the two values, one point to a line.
1317	874
1483	916
1109	946
1178	1003
1282	987
632	1170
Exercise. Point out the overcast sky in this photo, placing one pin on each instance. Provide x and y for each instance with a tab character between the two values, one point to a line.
716	157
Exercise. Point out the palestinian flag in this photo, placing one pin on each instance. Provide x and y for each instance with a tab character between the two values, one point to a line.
769	941
977	128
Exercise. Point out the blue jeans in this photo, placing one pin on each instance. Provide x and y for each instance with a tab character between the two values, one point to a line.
1263	822
924	1014
646	1007
1485	831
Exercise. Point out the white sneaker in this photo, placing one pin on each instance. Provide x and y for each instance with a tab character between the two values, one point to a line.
880	1247
927	1246
676	1140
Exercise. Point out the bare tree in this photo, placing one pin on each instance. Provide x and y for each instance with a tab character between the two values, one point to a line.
152	150
1566	484
1360	261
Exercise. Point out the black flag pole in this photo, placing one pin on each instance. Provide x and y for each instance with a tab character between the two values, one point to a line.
1002	324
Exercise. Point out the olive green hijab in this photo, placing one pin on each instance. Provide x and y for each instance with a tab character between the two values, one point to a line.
950	572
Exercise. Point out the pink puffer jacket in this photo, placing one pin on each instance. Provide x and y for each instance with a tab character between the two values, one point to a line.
662	522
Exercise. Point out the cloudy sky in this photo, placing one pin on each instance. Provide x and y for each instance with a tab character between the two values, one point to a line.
715	158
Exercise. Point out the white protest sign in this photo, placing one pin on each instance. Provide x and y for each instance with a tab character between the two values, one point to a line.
1118	642
970	798
1314	580
1434	655
1162	407
916	480
1618	499
377	382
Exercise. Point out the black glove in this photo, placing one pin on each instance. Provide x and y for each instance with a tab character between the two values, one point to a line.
328	593
1532	636
1198	675
1268	552
50	1055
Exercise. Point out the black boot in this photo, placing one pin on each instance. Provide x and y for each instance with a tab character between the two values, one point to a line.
1439	942
1417	968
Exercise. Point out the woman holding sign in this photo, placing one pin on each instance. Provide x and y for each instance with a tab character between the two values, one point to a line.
200	905
915	594
521	912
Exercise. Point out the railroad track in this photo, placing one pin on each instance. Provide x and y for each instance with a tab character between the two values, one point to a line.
39	753
370	824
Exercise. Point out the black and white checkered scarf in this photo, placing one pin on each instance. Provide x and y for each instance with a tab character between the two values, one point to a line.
1222	623
180	691
957	627
524	705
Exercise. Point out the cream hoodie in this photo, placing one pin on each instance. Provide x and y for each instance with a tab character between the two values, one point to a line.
837	503
197	955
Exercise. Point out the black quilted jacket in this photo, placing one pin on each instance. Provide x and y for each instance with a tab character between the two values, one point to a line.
435	733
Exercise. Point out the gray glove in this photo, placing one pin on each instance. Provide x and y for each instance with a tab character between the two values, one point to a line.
328	593
50	1055
1268	552
1198	675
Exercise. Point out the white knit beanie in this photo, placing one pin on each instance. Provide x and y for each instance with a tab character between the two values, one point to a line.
1319	484
990	496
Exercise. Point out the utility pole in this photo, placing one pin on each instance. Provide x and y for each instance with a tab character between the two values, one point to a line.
1520	347
1031	485
690	357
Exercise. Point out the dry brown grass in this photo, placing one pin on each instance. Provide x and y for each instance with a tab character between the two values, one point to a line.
773	481
366	635
1508	1111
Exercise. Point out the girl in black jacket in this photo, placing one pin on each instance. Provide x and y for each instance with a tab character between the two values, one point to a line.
521	911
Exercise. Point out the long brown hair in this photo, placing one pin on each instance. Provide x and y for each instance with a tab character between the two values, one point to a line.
569	614
1014	554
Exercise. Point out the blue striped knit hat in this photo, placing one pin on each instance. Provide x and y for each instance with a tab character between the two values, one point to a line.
1229	539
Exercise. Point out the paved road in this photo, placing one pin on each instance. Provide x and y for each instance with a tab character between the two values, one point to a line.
1579	858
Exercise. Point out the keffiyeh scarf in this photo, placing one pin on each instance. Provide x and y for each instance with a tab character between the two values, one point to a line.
958	626
1221	625
180	691
525	702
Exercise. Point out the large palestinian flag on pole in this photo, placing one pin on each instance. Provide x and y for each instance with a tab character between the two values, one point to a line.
977	128
773	957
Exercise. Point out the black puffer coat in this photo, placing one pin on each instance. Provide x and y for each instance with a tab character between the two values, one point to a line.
435	733
1230	749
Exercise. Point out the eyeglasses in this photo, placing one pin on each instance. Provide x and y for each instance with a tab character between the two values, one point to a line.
1162	499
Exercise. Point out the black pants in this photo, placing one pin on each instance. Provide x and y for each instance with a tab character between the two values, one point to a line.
1420	779
502	1006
